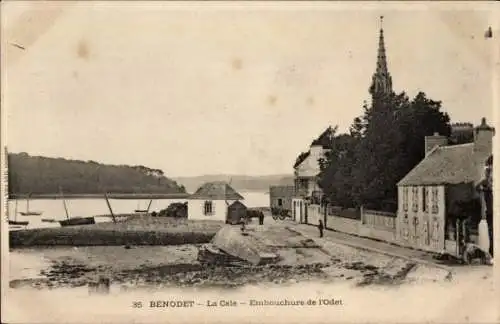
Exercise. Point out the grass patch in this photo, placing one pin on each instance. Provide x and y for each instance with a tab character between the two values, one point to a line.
137	230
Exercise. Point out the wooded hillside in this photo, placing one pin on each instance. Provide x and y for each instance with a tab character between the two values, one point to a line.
43	175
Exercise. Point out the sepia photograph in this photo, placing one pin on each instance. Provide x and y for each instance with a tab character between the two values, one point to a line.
249	162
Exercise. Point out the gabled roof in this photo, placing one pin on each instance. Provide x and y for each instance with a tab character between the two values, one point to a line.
454	164
325	139
301	158
218	190
281	191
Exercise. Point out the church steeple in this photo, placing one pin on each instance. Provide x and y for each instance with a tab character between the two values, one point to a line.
381	80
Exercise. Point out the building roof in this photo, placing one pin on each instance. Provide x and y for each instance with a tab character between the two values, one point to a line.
218	190
454	164
281	191
301	158
325	139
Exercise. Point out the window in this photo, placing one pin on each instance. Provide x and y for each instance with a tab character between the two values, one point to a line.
425	199
208	208
434	200
405	199
280	202
414	198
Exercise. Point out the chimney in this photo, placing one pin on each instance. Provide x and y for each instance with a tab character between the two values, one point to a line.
434	140
483	138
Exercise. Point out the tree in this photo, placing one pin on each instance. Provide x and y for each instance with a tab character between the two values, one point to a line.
383	146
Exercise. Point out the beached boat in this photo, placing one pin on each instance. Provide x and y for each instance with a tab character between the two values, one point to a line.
15	221
48	220
74	221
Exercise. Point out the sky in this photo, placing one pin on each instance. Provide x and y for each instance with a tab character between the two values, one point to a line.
224	87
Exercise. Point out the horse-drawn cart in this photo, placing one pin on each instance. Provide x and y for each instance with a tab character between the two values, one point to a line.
281	213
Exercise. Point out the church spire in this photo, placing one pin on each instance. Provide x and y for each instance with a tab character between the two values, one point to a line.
381	81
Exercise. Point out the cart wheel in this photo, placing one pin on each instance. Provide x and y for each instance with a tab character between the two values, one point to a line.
275	217
282	217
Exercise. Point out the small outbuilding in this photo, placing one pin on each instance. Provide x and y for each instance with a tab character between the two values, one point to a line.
212	201
236	212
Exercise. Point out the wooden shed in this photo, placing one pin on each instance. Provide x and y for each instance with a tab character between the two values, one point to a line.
236	212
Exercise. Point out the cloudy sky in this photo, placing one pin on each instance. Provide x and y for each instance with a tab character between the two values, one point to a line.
223	88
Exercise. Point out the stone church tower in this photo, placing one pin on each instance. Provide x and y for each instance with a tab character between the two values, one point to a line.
381	80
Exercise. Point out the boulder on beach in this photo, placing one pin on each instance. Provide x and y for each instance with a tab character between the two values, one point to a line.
232	241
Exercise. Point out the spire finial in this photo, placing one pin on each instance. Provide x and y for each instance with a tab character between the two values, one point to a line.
381	21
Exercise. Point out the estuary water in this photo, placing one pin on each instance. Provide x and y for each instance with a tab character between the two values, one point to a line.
78	207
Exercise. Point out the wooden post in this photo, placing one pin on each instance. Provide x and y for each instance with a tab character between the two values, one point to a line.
64	203
109	206
149	206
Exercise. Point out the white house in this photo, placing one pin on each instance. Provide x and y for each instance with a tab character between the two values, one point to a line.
307	169
211	201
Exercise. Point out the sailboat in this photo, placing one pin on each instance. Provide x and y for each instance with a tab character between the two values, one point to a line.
28	212
72	221
143	210
15	221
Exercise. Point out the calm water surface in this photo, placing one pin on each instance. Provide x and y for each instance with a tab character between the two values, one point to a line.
54	208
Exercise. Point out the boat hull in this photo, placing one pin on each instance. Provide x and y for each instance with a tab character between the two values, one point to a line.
30	213
78	221
48	220
23	223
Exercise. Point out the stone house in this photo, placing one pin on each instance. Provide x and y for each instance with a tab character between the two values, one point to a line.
447	176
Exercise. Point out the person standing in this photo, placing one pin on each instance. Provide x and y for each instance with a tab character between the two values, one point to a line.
320	227
261	218
488	199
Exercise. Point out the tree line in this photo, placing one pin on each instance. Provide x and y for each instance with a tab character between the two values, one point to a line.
42	175
380	148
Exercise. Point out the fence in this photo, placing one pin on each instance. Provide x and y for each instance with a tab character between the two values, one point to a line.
362	222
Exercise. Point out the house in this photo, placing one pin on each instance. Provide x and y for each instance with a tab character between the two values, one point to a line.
281	197
306	171
211	202
429	194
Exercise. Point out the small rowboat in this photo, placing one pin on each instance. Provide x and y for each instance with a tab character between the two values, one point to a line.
48	220
21	223
73	221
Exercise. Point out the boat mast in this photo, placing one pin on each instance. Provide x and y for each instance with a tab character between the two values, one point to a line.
15	210
109	206
64	203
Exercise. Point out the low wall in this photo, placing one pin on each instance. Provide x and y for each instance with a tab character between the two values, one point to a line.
342	224
378	225
367	223
140	230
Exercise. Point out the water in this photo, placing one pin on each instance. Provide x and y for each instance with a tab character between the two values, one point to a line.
54	208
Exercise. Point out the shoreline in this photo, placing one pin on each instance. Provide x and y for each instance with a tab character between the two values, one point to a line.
101	196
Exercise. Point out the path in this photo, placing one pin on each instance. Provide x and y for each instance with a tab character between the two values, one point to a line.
366	244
